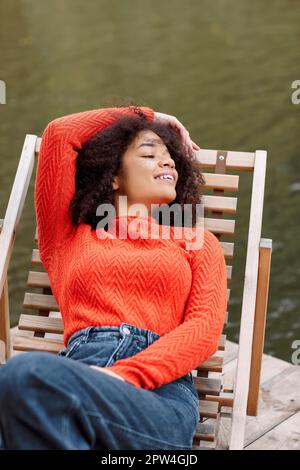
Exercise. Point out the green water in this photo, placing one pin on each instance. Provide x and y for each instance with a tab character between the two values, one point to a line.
224	68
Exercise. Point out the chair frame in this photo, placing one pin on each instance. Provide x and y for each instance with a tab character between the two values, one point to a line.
245	397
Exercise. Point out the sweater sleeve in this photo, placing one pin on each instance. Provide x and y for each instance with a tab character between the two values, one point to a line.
56	171
192	342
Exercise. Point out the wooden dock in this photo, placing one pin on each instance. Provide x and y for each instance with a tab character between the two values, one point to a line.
277	426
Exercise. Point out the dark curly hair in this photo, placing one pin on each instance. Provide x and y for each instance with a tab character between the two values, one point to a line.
100	159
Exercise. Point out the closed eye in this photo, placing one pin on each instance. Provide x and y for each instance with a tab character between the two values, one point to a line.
148	156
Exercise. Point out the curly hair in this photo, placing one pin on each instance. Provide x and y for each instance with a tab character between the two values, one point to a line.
100	159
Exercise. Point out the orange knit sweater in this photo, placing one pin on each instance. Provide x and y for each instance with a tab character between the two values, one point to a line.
157	284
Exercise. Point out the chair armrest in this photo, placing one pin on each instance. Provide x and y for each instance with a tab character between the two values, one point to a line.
264	266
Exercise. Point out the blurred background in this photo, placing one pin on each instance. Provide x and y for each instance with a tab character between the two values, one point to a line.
224	68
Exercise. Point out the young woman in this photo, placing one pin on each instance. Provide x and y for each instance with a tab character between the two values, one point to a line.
140	310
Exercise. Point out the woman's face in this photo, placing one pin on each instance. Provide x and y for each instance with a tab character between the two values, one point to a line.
146	158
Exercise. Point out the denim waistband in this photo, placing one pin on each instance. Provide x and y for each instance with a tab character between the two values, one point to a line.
124	329
95	333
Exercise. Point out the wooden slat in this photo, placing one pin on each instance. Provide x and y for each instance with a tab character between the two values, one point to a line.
228	249
223	399
224	226
219	181
40	324
204	437
243	161
35	258
40	302
213	364
38	279
222	343
205	446
208	409
207	386
224	204
21	343
205	432
226	320
38	146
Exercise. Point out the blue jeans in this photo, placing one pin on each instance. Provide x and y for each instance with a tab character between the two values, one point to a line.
52	401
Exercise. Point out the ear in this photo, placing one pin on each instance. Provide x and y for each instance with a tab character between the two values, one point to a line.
115	183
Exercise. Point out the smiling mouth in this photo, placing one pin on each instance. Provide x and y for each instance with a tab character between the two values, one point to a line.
165	179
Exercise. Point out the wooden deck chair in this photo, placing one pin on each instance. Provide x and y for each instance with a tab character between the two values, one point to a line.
223	405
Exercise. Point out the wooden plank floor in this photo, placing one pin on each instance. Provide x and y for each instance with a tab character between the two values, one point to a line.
277	425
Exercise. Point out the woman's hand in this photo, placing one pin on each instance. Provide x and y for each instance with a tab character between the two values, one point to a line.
104	369
189	146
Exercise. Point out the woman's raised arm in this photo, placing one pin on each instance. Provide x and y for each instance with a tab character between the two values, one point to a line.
56	171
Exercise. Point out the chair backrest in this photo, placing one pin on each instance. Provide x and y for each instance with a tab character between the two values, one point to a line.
221	170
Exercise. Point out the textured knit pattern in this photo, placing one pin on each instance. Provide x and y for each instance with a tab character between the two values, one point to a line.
153	283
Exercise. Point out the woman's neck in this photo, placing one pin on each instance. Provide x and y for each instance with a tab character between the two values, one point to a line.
124	209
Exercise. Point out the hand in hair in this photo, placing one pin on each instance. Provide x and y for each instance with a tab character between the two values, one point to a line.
189	145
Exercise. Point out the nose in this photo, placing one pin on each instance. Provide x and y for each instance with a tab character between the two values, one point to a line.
167	161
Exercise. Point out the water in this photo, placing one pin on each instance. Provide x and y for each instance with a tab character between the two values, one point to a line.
223	68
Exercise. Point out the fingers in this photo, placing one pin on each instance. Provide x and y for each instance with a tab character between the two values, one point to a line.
189	146
195	146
